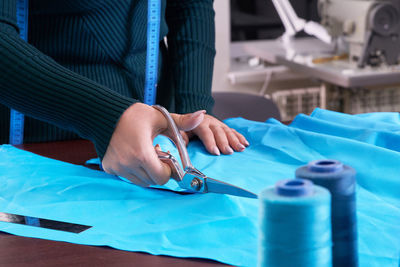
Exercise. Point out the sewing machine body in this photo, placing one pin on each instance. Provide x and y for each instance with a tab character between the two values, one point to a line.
370	28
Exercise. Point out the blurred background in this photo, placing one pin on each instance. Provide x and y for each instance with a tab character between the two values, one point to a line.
242	25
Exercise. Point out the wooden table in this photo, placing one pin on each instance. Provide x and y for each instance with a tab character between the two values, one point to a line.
24	251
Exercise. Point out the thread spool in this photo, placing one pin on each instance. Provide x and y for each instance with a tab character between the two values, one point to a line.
295	225
340	180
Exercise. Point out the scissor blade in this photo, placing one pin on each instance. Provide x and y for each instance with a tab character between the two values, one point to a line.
43	223
215	186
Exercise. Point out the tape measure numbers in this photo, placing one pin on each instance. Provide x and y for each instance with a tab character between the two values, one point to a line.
22	18
16	127
16	118
153	33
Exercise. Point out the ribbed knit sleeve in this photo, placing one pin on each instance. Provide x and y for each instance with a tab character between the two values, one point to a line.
191	48
37	86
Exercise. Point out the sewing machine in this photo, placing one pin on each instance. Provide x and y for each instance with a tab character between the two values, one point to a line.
369	28
356	45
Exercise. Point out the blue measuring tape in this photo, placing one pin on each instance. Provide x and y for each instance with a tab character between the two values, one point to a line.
17	118
153	33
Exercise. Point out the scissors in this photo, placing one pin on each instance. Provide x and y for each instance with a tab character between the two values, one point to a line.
189	177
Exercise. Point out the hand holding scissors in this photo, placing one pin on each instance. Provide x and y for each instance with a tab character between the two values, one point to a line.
189	177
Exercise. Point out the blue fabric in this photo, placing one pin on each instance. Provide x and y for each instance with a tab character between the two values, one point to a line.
218	227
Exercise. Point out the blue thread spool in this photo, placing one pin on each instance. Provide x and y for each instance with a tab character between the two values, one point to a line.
295	225
340	180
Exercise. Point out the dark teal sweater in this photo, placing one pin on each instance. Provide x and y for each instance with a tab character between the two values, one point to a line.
85	64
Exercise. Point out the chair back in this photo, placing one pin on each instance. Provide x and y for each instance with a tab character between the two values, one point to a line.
248	106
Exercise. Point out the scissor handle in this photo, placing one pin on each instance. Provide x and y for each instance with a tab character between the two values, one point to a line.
176	171
174	134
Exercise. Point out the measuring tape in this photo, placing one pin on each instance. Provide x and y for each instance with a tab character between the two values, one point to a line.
17	118
153	33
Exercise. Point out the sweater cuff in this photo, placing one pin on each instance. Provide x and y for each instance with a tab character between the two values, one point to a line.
105	127
189	102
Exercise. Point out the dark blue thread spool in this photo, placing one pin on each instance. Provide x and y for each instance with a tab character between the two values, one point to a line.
340	180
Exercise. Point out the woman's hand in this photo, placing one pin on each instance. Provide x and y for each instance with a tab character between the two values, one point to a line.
131	154
217	136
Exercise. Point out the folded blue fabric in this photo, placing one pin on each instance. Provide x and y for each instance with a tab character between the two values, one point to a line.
219	227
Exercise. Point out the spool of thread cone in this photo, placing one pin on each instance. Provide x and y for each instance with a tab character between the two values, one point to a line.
295	225
340	180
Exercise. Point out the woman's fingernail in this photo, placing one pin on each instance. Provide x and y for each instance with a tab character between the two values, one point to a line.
229	150
246	143
215	151
240	147
197	113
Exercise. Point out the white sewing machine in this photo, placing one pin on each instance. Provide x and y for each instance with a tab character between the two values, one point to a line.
356	44
370	28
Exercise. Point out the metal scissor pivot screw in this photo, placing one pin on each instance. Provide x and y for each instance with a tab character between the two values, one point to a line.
196	184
